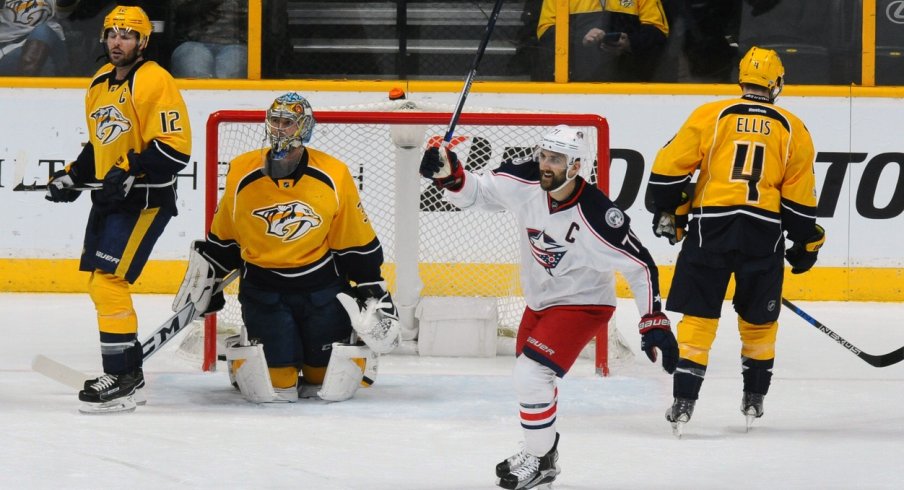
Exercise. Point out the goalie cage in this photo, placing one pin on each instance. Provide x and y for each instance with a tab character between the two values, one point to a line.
424	254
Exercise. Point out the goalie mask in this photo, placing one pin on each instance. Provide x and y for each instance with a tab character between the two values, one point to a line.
570	142
290	124
128	19
763	68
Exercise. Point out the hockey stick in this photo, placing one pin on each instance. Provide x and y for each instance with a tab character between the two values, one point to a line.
164	333
883	360
491	24
92	186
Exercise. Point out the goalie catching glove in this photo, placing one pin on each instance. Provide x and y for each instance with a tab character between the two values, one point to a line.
373	316
656	333
200	286
443	167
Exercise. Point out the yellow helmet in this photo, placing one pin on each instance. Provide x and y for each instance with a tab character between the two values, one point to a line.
762	67
129	19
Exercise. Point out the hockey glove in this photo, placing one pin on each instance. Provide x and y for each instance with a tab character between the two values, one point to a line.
201	284
802	256
59	186
671	223
656	333
373	316
444	169
120	178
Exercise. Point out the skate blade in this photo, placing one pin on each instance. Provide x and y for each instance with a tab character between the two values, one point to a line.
139	397
750	420
121	405
678	429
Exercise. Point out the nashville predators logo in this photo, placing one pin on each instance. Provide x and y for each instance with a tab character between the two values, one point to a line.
109	124
30	12
289	221
545	249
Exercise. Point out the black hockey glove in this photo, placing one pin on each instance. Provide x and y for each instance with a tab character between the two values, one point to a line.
59	187
120	178
802	256
446	174
672	223
656	333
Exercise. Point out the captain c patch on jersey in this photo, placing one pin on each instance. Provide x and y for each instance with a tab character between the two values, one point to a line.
110	123
289	221
545	249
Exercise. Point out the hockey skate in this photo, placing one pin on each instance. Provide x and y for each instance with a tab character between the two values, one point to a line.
524	471
112	393
139	397
679	414
752	407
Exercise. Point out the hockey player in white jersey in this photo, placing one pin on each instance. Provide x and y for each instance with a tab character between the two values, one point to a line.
573	238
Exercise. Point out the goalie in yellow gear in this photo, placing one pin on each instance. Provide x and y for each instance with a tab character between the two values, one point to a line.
292	220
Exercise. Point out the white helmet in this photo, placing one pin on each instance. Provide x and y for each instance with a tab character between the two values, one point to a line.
571	142
567	140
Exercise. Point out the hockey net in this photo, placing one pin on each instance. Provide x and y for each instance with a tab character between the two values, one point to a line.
431	248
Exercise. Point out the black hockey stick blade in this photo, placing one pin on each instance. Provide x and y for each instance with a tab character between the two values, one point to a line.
883	360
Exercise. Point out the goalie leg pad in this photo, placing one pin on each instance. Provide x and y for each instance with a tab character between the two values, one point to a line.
345	372
252	376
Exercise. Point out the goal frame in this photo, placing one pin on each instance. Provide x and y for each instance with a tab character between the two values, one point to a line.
211	181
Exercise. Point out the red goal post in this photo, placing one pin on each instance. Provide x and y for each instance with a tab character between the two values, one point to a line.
398	201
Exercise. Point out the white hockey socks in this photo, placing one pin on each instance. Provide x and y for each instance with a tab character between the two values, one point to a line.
535	385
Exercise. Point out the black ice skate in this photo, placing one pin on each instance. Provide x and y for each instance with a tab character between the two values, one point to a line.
514	461
528	471
112	393
679	414
752	407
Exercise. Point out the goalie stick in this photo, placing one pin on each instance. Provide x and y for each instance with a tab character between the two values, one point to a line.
883	360
164	333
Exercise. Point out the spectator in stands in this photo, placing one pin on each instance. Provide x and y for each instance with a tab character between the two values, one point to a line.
711	29
32	42
624	42
214	35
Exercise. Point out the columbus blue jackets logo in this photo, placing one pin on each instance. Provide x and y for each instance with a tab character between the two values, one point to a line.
109	124
545	249
289	221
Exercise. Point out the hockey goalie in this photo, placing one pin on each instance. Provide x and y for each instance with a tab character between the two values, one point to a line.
316	310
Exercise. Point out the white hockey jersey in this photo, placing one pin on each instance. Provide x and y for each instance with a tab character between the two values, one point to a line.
571	249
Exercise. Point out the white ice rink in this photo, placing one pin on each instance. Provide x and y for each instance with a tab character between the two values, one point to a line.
832	421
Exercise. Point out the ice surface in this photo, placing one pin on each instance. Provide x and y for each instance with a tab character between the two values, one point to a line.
831	421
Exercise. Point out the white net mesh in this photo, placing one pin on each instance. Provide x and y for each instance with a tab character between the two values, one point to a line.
460	253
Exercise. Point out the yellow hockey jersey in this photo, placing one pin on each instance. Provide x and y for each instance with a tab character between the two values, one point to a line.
626	15
297	233
756	178
144	114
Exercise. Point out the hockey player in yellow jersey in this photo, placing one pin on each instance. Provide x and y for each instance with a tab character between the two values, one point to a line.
138	139
292	221
755	188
